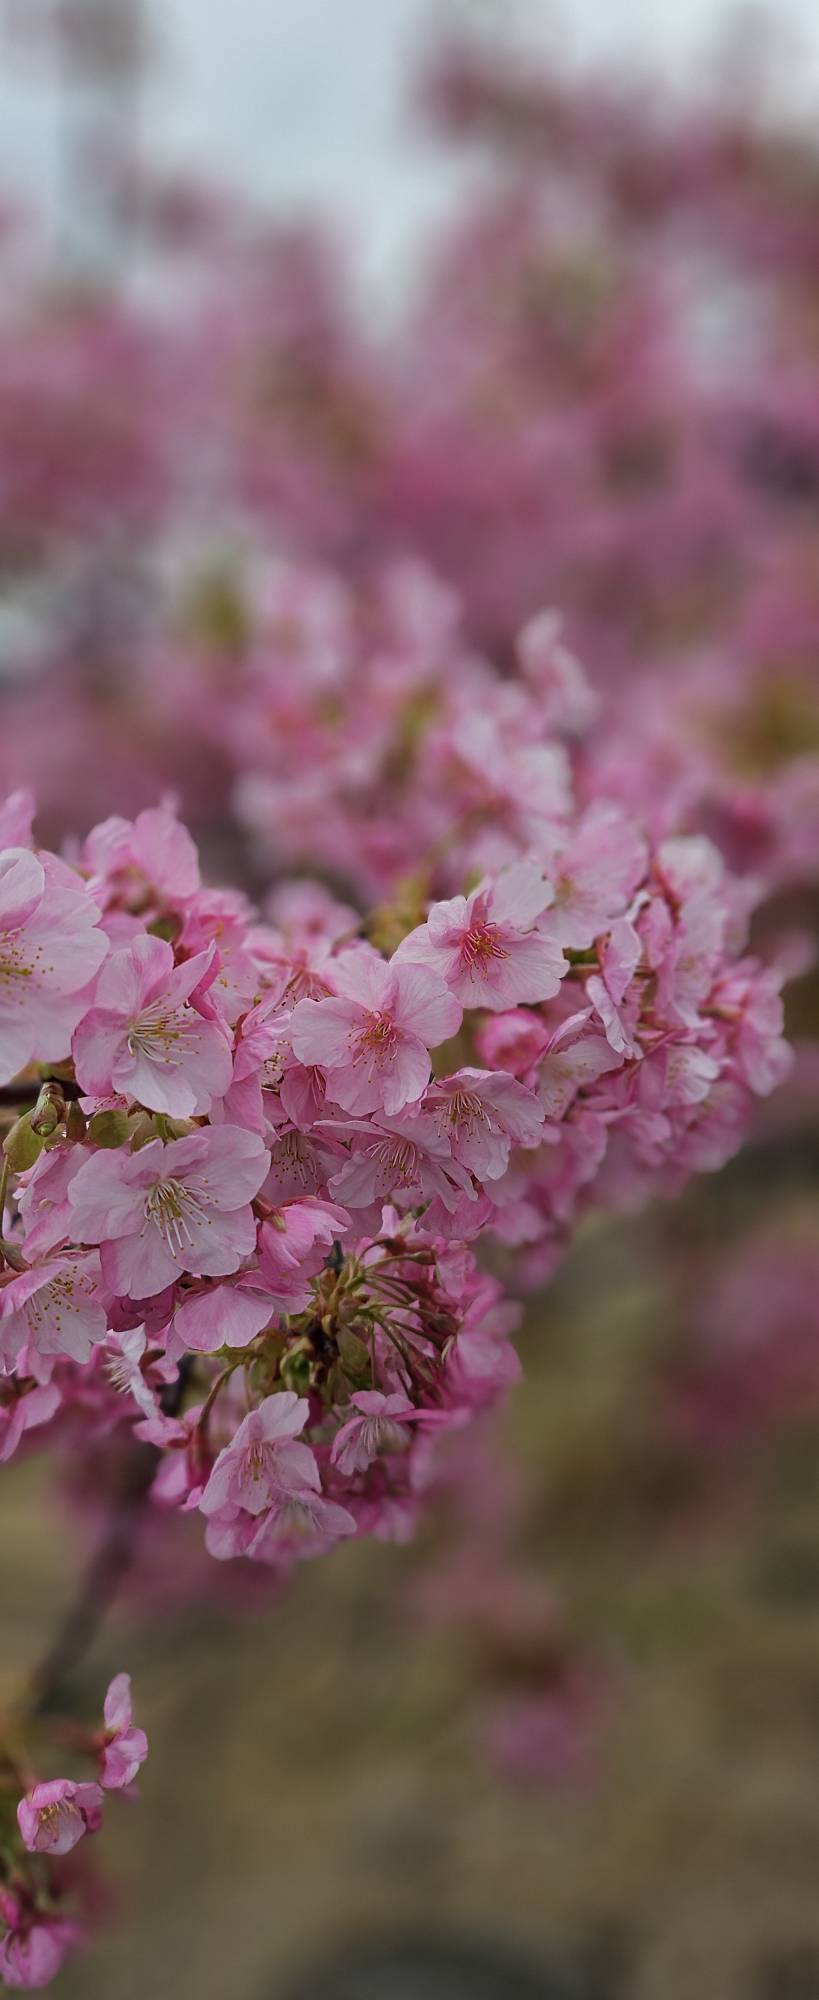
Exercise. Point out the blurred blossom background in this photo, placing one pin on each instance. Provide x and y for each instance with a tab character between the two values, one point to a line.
332	340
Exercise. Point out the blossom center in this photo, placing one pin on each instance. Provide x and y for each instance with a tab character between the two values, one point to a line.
399	1158
174	1209
464	1111
158	1034
14	965
481	947
379	1038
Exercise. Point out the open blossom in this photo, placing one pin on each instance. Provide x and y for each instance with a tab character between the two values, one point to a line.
226	1315
610	990
405	1160
595	870
575	1056
58	1307
483	1115
486	946
143	1039
24	1413
372	1038
264	1459
34	1945
168	1209
124	1747
379	1425
293	1245
298	1525
152	855
50	948
54	1816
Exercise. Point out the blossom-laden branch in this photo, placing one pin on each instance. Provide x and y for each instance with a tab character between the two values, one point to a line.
243	1208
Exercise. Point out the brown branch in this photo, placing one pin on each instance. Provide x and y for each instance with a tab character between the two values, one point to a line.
108	1565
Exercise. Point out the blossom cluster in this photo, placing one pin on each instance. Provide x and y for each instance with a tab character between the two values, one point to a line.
244	1194
50	1819
265	1153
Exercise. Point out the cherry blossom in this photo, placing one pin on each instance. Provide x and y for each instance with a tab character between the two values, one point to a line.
54	1816
170	1208
486	946
373	1040
124	1747
143	1039
50	948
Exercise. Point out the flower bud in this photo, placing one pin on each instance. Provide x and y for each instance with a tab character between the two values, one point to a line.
109	1129
22	1145
49	1111
353	1354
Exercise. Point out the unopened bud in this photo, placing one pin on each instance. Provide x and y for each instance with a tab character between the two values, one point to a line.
75	1122
49	1110
109	1129
353	1354
22	1146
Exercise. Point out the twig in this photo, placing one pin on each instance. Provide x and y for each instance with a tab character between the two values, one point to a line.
104	1573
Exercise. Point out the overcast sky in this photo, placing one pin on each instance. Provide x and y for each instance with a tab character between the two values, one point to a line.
302	101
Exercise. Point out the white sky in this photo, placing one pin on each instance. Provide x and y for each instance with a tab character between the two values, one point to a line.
303	101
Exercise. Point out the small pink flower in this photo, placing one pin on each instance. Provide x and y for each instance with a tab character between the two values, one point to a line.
595	872
617	1006
483	1115
53	1817
372	1038
486	946
293	1246
153	852
143	1039
404	1160
575	1058
24	1413
301	1524
379	1426
168	1209
263	1459
226	1315
34	1946
124	1748
55	1308
50	948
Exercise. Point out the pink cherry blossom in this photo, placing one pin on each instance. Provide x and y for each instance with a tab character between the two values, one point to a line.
143	1039
168	1209
152	855
24	1412
483	1115
53	1817
595	870
294	1244
379	1425
487	946
124	1747
225	1315
610	991
575	1057
372	1039
404	1159
50	948
300	1524
35	1945
263	1459
58	1307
